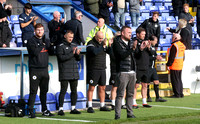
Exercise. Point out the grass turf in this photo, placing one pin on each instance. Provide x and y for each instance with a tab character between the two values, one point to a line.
169	112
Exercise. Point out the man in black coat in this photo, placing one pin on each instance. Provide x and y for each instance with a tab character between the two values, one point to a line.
152	26
5	33
5	10
104	13
56	29
39	49
68	54
75	25
125	68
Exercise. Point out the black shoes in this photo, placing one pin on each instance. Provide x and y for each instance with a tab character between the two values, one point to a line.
146	106
61	113
131	116
104	108
174	96
123	107
160	99
90	110
31	114
112	107
75	111
47	113
149	99
135	107
117	117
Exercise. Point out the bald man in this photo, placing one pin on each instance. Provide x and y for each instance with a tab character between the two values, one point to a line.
100	27
175	65
96	65
55	26
27	22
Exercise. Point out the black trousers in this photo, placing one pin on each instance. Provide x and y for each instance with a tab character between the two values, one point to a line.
73	87
38	77
176	81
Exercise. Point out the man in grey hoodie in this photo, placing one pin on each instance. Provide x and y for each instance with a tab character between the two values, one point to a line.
134	9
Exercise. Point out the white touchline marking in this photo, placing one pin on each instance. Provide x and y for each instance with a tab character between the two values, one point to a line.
56	119
176	107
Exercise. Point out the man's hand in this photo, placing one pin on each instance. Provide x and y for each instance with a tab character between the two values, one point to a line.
191	20
143	45
74	50
78	51
134	44
9	6
159	57
62	20
148	44
4	46
35	18
110	42
168	28
104	42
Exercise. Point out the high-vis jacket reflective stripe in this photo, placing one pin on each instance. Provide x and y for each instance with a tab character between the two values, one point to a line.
178	60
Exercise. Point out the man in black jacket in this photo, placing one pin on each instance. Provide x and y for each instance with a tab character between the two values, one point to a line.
152	73
104	13
56	29
152	26
75	25
96	65
5	10
68	54
5	33
125	67
38	49
142	64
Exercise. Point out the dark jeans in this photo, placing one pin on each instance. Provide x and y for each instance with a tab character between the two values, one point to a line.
38	77
73	87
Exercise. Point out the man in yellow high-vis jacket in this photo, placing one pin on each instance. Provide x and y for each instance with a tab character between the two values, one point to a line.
100	27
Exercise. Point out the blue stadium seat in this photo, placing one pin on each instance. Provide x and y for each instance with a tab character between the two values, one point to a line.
153	9
37	105
141	19
163	10
112	19
194	32
171	21
144	10
148	2
16	98
158	2
67	101
128	21
14	19
167	3
163	23
19	42
17	31
81	100
51	102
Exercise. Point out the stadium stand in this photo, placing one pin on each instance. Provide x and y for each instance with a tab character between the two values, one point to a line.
67	101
